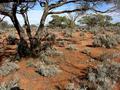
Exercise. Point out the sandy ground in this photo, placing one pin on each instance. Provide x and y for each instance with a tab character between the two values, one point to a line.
72	64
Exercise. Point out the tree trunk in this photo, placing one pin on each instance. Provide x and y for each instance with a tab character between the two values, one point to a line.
28	31
23	49
27	25
19	29
36	41
40	32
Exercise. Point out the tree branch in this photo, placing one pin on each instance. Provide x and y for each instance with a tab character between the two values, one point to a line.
52	6
27	24
106	11
69	11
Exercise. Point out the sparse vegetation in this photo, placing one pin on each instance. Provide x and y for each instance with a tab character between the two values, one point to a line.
53	52
71	47
61	43
12	40
87	51
45	59
48	70
68	33
7	68
108	56
70	86
78	48
107	74
103	77
106	41
10	85
4	25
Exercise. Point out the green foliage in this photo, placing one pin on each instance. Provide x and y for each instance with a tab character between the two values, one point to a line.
60	21
116	24
96	19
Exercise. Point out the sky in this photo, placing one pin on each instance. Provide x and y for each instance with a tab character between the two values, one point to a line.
36	13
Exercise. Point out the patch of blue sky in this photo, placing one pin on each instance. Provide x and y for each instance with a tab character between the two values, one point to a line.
36	13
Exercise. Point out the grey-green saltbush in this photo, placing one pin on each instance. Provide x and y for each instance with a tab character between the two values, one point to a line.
104	77
71	47
7	68
48	70
10	85
106	40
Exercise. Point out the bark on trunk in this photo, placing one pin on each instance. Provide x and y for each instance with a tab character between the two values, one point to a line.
28	31
23	49
27	25
36	41
40	32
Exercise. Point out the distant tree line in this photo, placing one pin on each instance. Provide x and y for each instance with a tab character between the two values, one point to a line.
6	25
88	20
65	22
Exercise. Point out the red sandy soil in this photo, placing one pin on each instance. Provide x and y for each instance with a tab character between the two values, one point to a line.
72	64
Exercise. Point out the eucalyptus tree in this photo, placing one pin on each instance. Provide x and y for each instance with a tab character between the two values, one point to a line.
96	20
11	8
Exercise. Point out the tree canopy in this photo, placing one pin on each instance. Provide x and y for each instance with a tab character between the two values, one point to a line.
96	20
60	21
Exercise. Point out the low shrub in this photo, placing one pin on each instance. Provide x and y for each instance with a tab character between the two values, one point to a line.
23	50
108	56
10	85
11	40
48	70
106	41
95	30
44	59
68	33
70	86
51	37
7	68
87	51
104	77
53	52
71	47
61	43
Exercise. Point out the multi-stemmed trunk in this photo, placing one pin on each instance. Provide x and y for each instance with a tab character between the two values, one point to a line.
23	48
40	33
34	47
